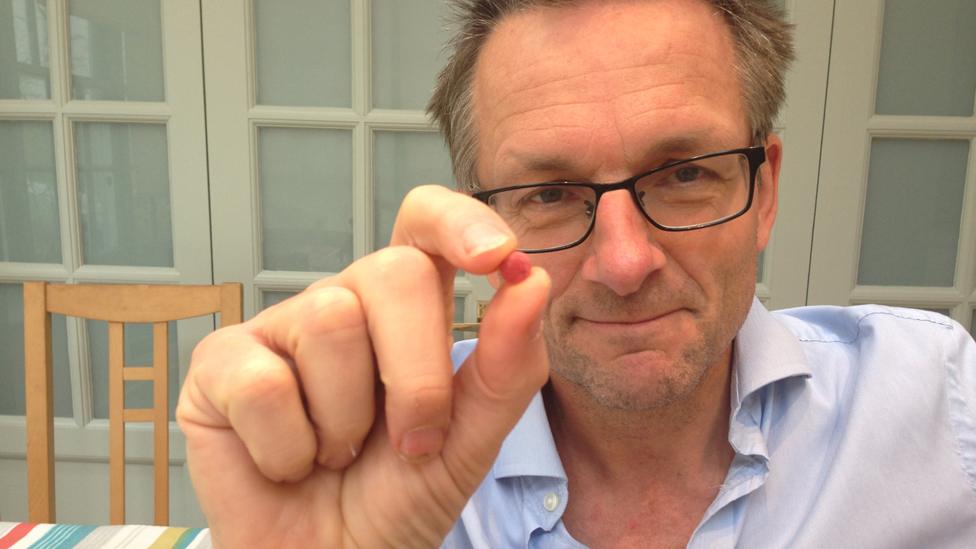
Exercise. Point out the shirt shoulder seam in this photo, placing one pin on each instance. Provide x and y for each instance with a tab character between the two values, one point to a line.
857	334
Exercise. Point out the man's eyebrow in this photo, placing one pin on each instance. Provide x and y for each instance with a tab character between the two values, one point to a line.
679	147
655	153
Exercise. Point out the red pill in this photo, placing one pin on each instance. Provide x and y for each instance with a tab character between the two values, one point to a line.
516	267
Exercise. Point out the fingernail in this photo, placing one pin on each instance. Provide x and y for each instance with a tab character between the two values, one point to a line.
482	237
421	444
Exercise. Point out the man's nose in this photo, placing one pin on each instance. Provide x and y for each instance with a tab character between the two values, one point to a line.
622	252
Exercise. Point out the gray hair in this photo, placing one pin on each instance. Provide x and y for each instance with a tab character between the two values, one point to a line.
764	49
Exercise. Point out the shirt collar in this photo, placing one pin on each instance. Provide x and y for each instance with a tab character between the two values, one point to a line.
765	352
529	449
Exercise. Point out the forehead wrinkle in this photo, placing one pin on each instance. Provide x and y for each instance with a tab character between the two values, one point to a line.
551	112
515	123
518	160
599	74
651	74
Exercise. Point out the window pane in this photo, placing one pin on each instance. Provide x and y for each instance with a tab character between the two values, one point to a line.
138	352
29	222
306	198
927	54
408	40
123	194
402	161
912	212
269	298
459	317
24	69
303	53
12	354
116	50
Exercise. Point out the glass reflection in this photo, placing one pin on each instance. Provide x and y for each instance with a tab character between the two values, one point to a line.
123	194
407	51
926	65
303	52
116	50
24	65
29	223
306	199
403	161
912	212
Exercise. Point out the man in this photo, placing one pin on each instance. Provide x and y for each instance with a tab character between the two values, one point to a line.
674	410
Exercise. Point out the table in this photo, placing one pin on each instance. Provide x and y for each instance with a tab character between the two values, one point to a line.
21	535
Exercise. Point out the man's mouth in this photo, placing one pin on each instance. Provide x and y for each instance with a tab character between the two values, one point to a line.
627	321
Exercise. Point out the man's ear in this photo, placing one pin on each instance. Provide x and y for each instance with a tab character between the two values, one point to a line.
767	190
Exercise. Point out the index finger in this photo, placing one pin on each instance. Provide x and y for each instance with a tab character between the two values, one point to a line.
463	231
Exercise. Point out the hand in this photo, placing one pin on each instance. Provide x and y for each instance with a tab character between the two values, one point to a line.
291	440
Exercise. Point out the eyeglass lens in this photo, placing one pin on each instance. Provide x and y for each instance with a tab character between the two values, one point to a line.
686	194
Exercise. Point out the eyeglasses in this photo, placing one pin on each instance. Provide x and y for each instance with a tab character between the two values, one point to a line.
685	195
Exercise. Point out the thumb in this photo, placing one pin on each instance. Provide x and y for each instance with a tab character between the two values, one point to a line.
495	385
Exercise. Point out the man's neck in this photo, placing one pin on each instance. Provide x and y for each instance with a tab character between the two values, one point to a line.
675	457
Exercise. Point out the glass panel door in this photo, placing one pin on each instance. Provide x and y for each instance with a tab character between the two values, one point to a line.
896	213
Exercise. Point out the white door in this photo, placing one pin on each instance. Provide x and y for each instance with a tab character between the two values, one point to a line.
102	179
896	211
784	266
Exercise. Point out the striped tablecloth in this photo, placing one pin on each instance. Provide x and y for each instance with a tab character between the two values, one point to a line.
21	535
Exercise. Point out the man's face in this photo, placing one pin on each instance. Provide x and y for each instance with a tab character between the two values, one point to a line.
599	92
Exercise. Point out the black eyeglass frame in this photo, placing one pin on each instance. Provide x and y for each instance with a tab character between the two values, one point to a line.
756	155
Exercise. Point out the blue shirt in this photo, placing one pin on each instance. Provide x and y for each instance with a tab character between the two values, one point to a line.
852	427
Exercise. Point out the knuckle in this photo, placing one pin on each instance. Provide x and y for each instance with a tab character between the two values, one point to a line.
262	385
420	392
331	309
213	343
403	264
321	283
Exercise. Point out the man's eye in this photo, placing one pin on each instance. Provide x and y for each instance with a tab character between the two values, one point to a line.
548	196
687	174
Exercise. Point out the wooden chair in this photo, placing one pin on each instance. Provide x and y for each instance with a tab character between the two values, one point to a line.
117	304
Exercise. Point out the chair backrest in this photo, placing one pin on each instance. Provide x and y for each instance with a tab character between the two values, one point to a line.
118	304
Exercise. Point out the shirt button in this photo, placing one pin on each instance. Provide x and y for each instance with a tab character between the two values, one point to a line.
550	502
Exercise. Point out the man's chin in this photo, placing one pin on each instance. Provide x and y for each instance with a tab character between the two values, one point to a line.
632	381
631	397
